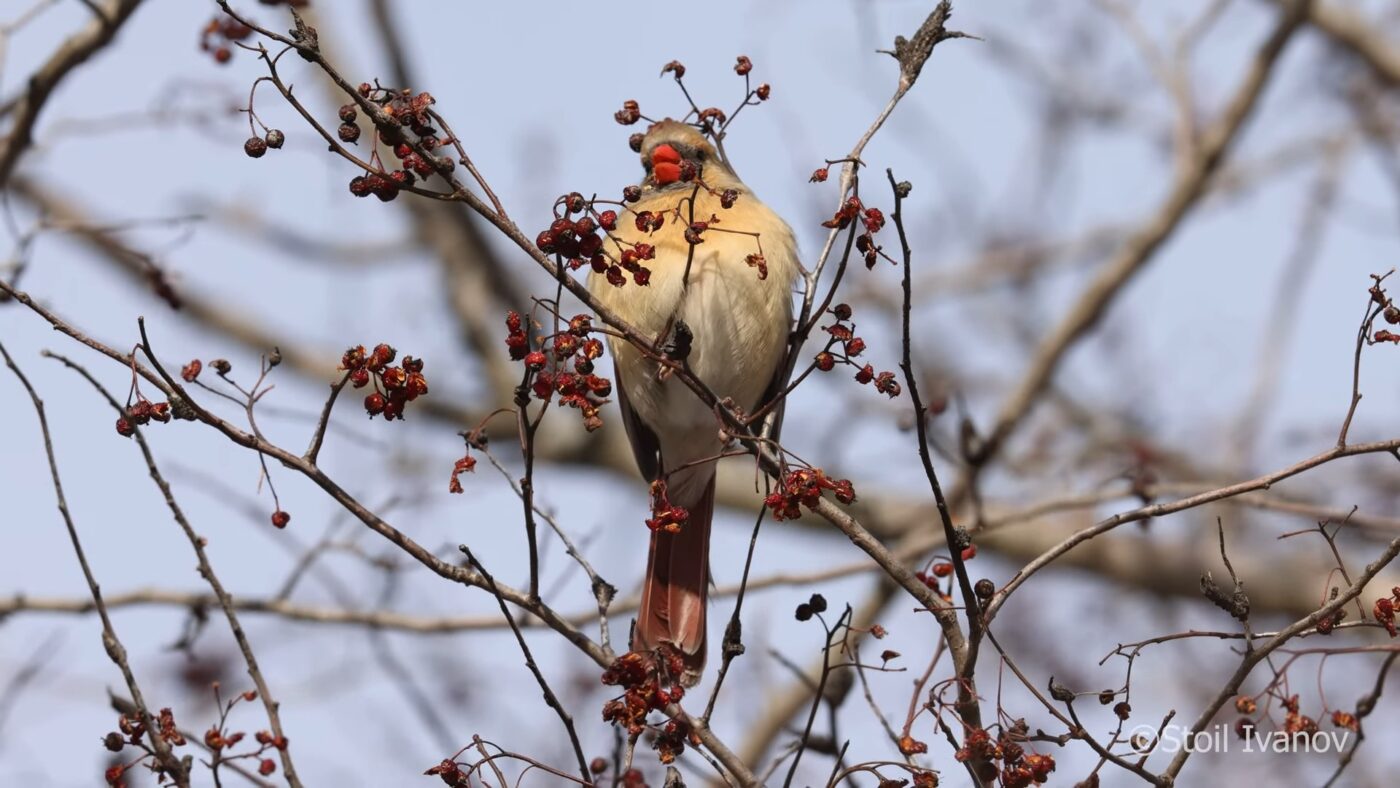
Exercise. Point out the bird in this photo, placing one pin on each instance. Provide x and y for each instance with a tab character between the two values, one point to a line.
738	312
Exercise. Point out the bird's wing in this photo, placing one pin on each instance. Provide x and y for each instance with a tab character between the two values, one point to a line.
645	446
774	420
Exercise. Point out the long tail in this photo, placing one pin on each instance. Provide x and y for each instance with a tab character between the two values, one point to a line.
678	578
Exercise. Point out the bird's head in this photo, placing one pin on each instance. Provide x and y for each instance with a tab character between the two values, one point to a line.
669	144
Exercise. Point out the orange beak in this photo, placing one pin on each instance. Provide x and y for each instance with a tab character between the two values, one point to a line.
665	164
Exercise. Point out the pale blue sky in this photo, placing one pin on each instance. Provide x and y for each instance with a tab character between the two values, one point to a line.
531	89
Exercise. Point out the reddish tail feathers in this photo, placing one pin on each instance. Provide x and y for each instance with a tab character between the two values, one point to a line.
677	584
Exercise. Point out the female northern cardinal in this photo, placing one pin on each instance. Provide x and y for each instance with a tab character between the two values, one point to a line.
738	315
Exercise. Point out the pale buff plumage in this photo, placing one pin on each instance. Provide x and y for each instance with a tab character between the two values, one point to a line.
740	324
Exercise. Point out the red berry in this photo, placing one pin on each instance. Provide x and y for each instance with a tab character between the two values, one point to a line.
374	403
743	66
281	518
608	220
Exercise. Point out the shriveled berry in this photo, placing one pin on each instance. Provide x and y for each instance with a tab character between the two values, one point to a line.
281	518
191	371
762	91
275	138
348	113
743	66
255	147
632	193
360	186
349	132
629	114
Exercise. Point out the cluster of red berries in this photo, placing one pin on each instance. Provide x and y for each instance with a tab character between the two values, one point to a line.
873	219
709	117
394	387
217	739
578	242
664	515
1384	610
1294	722
190	372
548	367
803	487
650	682
1019	769
407	112
132	729
843	333
1389	311
255	147
140	413
939	569
218	36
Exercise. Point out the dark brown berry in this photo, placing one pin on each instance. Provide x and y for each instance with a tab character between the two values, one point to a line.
275	138
349	132
255	147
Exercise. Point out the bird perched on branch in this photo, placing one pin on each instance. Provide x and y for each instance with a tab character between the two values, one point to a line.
719	297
